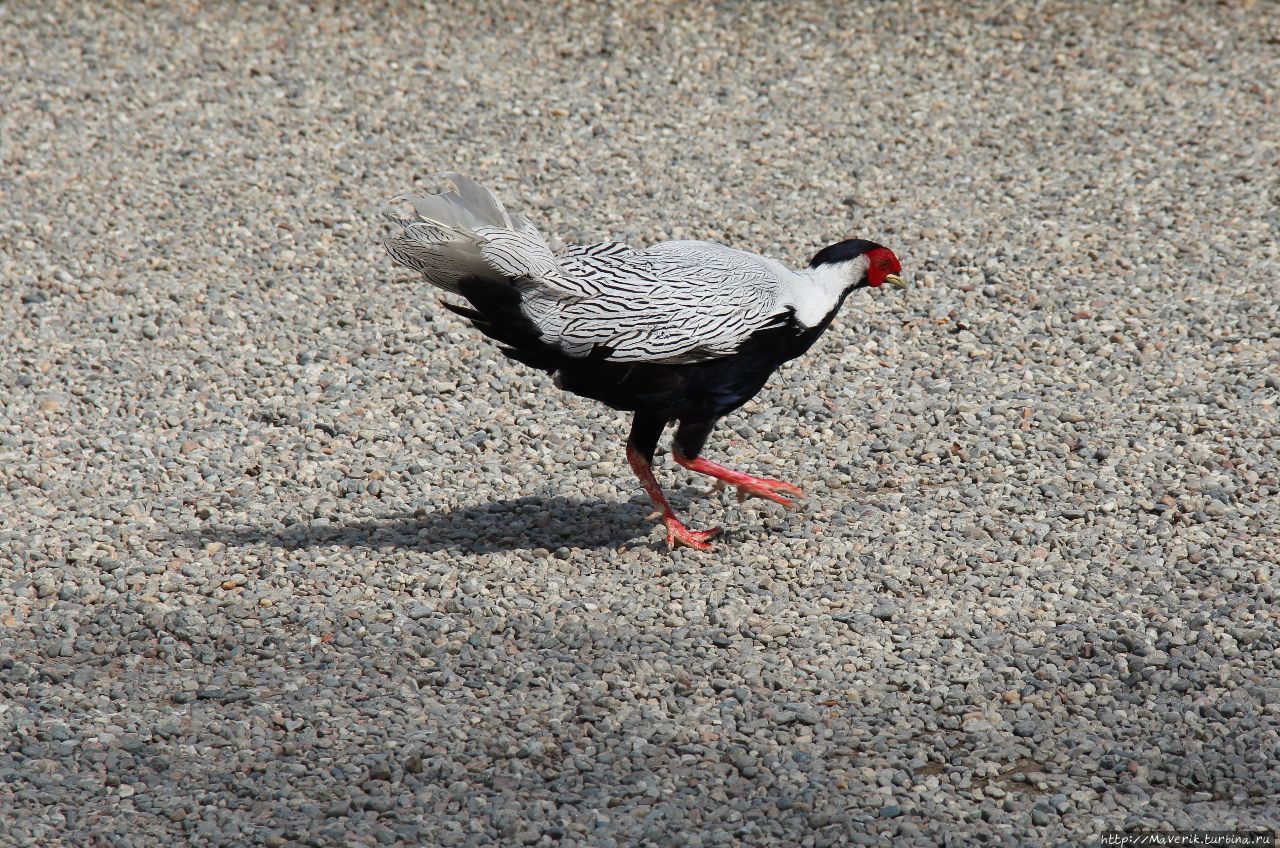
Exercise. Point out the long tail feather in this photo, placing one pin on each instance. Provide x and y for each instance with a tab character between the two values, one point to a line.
466	232
464	241
480	201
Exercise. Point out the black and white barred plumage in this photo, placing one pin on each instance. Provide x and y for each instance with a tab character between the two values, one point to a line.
674	302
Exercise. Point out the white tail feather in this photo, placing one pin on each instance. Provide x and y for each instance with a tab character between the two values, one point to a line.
467	232
480	201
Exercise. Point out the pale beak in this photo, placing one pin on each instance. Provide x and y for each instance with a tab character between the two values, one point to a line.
896	281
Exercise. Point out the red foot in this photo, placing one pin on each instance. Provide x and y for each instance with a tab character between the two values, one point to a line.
678	534
748	486
762	487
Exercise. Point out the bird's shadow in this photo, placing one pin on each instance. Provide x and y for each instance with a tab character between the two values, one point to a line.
527	523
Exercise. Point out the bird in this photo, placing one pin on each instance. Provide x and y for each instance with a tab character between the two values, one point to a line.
679	332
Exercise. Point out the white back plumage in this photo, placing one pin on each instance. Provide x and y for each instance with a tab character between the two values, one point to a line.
675	302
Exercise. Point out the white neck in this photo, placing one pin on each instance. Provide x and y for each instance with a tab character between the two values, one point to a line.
818	290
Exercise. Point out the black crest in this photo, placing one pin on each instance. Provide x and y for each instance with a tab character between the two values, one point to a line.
842	251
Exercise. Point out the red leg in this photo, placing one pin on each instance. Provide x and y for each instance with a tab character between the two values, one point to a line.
747	485
677	533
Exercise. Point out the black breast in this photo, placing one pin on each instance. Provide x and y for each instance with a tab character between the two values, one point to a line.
702	391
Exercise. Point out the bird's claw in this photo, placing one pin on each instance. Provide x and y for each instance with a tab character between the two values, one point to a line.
678	534
770	489
762	487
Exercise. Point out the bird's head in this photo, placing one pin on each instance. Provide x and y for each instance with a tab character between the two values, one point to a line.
865	262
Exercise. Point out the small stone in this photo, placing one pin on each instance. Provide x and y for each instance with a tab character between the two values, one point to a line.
884	612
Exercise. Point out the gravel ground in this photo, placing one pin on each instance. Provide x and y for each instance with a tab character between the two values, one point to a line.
289	555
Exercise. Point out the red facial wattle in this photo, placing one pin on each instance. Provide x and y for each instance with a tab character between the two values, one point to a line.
881	263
